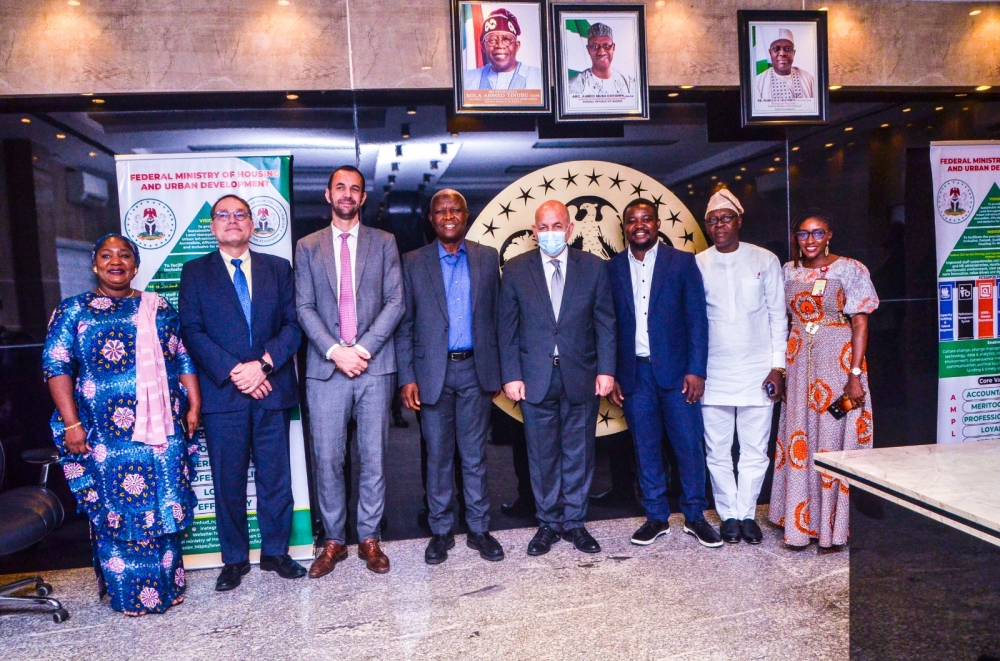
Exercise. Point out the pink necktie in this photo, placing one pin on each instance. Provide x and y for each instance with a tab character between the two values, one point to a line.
348	317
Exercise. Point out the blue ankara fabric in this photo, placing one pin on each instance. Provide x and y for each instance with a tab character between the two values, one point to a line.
130	491
458	294
142	575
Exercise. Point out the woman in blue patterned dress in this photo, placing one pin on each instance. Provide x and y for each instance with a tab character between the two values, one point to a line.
118	428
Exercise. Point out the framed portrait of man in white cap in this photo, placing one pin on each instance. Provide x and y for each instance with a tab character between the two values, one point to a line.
783	67
500	57
600	62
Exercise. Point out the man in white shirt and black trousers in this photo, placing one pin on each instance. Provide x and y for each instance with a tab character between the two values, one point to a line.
747	334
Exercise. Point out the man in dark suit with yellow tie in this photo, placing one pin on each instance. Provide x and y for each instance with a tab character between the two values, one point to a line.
557	353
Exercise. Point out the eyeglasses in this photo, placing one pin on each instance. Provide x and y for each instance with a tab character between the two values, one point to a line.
818	235
782	49
597	48
725	220
225	215
493	42
444	213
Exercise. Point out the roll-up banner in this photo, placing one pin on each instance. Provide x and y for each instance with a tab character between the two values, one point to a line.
165	202
966	179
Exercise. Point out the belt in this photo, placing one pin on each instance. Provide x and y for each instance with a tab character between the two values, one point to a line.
555	361
643	359
458	356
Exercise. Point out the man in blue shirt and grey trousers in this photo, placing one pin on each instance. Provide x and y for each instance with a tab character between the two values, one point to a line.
449	368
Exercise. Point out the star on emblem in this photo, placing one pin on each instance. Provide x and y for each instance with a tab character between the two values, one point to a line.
593	176
547	185
569	179
491	228
616	182
638	190
606	418
658	200
526	195
674	218
506	210
688	238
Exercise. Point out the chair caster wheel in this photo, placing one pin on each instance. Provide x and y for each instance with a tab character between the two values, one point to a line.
43	590
60	616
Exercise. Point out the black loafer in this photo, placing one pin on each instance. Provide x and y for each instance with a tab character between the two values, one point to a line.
582	540
488	547
752	532
730	531
438	547
704	532
649	531
283	565
543	540
231	576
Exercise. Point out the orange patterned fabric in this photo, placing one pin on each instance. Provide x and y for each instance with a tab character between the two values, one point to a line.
804	501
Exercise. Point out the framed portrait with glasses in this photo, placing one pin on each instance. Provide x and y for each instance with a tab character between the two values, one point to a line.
499	50
600	62
784	76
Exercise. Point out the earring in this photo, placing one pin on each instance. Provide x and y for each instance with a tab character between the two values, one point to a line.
95	269
827	251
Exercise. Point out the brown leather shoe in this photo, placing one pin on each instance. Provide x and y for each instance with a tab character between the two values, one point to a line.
375	560
332	553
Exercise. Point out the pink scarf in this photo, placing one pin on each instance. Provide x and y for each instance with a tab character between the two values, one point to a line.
153	419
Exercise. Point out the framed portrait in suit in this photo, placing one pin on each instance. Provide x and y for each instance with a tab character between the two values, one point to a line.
499	54
600	62
783	67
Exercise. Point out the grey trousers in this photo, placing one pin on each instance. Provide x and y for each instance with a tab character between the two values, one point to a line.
332	404
560	438
461	415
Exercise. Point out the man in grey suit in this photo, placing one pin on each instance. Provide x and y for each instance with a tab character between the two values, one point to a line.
449	365
557	352
349	295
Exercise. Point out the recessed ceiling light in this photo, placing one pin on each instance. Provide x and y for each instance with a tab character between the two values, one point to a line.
425	68
835	87
770	169
907	109
961	95
777	159
886	125
687	87
739	177
850	144
97	100
796	148
454	134
828	145
714	177
405	130
92	154
939	108
975	12
690	192
848	128
743	169
673	94
291	96
690	185
61	136
983	88
25	120
86	94
965	108
824	9
411	111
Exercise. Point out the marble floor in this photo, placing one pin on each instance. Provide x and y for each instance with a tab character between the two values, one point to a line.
671	600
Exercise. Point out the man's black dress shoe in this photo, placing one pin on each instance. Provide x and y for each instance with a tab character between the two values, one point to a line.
581	540
704	532
543	540
438	547
283	565
488	547
730	531
519	509
611	498
649	531
752	532
231	576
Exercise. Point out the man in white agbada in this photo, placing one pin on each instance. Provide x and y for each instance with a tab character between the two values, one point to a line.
747	334
601	79
782	81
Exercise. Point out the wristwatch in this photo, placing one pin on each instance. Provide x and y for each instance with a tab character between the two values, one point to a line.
856	371
266	367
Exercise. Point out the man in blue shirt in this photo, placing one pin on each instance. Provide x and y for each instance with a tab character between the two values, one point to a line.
449	368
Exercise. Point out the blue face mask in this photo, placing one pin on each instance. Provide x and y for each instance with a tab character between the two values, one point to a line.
552	243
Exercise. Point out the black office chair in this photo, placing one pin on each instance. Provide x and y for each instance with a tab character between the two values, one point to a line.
28	515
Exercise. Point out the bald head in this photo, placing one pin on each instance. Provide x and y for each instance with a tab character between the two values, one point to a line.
551	213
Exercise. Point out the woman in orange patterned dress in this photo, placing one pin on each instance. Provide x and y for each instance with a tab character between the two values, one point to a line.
829	299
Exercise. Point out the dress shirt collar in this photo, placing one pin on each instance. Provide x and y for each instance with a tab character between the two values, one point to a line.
245	257
442	251
650	254
353	231
562	258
